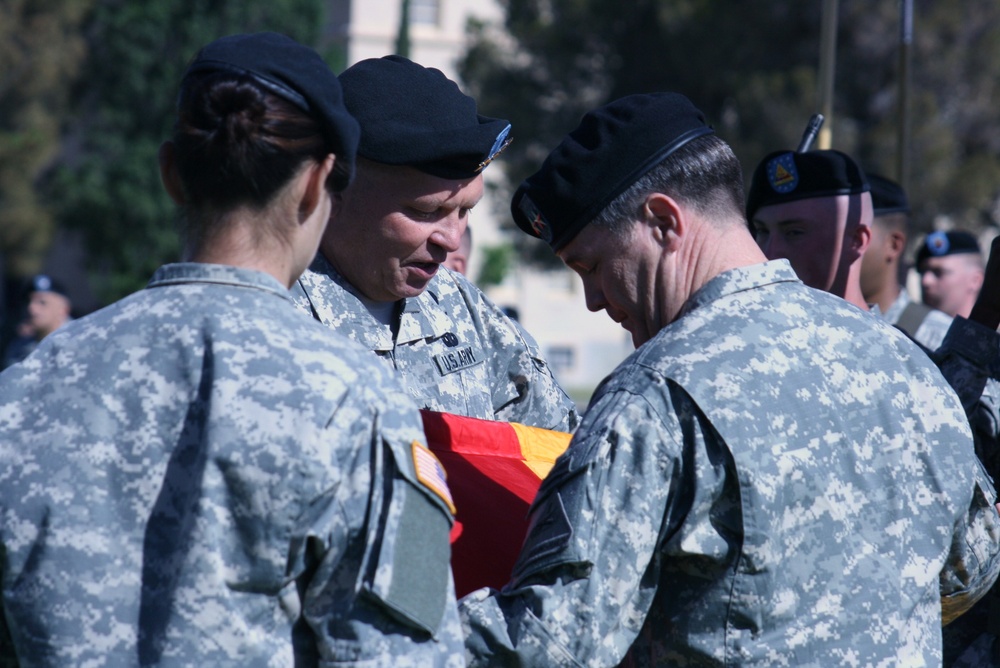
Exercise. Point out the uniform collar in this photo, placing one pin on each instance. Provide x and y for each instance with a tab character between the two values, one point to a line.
220	274
740	279
421	317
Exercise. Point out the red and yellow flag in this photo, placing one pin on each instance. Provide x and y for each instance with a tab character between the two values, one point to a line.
494	470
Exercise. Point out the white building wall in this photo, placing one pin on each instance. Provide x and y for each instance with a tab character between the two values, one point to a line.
374	25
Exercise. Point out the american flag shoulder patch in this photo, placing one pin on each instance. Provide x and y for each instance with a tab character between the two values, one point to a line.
431	473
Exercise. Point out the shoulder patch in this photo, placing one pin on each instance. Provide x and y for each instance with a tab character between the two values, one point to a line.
431	473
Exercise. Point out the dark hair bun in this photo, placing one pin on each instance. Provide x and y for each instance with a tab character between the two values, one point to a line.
240	113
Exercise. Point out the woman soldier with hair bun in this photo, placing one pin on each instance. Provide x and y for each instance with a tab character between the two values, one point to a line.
198	474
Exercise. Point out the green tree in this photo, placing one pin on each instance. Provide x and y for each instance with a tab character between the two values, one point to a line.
555	60
41	49
496	263
752	68
107	181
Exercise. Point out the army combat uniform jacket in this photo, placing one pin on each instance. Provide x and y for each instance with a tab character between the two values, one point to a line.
776	478
455	351
198	475
931	330
970	359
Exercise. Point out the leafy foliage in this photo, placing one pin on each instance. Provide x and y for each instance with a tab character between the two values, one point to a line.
41	50
752	68
496	263
107	181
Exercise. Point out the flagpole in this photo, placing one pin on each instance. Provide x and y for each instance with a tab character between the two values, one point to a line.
903	124
403	36
827	65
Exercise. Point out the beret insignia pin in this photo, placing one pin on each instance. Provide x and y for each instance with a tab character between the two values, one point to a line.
782	173
937	243
539	225
502	142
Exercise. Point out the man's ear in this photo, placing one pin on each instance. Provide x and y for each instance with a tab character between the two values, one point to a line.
896	243
313	186
978	279
168	173
860	238
666	220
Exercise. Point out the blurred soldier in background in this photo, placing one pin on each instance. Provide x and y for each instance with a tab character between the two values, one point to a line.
813	209
882	268
951	271
458	260
49	308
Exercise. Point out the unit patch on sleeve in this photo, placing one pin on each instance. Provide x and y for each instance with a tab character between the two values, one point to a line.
431	473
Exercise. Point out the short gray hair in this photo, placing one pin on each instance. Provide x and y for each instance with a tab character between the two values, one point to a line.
704	174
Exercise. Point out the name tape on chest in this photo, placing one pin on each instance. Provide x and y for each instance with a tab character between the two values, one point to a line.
456	360
431	473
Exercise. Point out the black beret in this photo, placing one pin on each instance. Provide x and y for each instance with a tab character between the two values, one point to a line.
939	244
887	196
293	72
416	116
611	148
786	176
45	283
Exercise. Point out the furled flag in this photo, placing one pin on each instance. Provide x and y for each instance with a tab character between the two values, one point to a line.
494	470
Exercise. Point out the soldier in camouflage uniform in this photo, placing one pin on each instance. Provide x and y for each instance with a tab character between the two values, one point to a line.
790	205
814	209
198	475
774	477
970	359
880	268
379	277
950	265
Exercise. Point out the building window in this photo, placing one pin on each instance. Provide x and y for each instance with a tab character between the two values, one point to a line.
425	12
561	358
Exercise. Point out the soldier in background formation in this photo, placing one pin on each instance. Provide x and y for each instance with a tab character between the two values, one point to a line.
951	271
742	490
49	308
378	278
882	268
813	209
197	475
458	260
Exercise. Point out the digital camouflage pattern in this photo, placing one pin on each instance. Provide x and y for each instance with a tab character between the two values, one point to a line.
969	358
933	327
197	475
456	351
776	479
